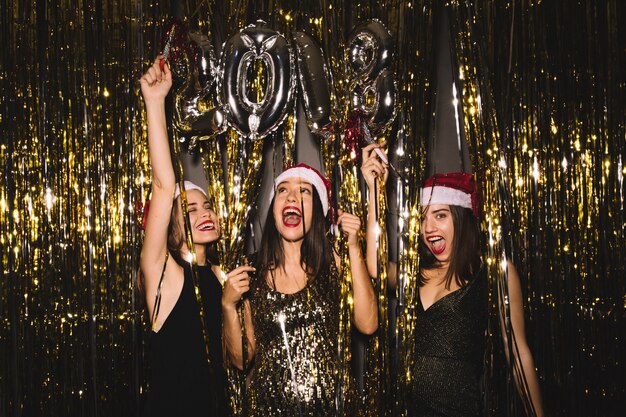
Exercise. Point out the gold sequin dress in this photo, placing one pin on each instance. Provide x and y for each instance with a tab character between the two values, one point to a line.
296	369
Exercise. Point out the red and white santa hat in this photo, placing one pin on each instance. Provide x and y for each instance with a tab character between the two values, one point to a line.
454	188
188	187
310	175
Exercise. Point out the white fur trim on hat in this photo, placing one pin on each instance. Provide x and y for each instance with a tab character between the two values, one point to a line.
188	187
310	176
445	195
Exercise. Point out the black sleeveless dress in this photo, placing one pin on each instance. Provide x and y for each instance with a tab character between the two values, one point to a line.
448	358
180	383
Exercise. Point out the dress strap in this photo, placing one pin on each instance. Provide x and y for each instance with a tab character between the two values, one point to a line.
157	299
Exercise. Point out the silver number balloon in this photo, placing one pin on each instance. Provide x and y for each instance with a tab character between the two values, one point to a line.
204	59
373	89
382	110
369	50
191	118
314	85
251	47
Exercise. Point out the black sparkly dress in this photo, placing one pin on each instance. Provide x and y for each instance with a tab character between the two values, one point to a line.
296	368
180	383
448	357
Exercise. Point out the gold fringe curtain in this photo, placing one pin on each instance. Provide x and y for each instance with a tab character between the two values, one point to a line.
74	171
544	116
547	137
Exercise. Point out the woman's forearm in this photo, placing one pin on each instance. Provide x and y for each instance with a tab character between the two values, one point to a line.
233	334
158	147
365	305
372	233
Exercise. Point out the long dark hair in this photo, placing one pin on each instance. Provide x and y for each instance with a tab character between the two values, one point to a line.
465	256
315	253
176	238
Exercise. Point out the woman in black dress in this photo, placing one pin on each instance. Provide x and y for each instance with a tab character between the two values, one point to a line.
451	311
181	382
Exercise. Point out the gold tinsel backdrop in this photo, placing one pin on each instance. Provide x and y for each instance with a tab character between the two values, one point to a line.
542	87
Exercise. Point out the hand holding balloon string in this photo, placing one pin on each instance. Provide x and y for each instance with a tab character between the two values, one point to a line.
166	49
370	140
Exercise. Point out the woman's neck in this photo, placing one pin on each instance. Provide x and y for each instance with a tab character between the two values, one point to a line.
292	252
437	274
200	253
290	277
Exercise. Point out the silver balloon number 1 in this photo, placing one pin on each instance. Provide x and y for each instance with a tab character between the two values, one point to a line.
314	84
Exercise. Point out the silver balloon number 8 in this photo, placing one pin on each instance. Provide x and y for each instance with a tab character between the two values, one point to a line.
373	90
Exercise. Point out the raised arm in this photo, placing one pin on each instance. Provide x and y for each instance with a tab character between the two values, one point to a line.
365	306
155	85
524	361
372	169
236	285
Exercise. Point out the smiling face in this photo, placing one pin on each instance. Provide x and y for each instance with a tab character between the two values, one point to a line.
293	208
203	220
438	231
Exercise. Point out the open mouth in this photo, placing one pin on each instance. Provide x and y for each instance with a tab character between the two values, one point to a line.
292	216
437	244
206	226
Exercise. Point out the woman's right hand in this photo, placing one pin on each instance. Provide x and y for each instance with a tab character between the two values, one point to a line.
372	167
156	81
236	285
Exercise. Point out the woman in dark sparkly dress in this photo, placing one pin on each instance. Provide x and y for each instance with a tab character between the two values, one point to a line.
451	312
181	382
292	310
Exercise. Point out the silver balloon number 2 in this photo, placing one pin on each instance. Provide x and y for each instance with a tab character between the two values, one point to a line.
195	115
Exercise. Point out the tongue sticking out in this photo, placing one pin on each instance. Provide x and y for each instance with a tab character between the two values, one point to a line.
438	246
291	220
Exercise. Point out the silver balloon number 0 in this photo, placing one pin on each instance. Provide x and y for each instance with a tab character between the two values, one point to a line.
258	79
372	90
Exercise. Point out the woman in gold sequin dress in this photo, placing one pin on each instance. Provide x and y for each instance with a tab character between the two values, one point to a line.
292	308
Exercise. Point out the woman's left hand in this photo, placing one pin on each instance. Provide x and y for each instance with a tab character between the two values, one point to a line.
350	225
237	283
372	166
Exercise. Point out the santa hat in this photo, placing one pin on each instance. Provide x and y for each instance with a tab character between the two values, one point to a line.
188	187
310	175
454	188
146	207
